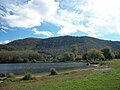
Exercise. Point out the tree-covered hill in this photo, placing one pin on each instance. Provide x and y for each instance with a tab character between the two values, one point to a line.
61	43
63	48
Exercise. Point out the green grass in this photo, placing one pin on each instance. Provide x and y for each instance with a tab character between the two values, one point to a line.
97	81
88	79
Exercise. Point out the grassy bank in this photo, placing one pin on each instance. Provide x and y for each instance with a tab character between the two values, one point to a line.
106	77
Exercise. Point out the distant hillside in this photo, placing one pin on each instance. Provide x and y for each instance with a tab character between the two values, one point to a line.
62	43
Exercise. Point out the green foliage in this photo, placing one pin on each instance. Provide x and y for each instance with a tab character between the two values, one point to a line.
6	47
19	56
28	76
53	71
24	44
34	61
72	57
2	74
10	75
68	57
34	50
74	50
108	53
117	54
94	54
84	56
78	58
102	63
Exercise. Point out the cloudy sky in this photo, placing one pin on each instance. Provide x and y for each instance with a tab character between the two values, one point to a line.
51	18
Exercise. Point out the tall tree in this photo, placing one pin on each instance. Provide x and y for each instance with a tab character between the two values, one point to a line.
74	50
68	57
108	53
94	54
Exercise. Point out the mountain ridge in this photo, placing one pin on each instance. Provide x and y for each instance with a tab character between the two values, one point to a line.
61	42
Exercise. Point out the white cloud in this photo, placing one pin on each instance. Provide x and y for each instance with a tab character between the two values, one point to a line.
2	30
3	27
94	17
105	13
5	42
102	17
31	14
67	30
70	22
46	33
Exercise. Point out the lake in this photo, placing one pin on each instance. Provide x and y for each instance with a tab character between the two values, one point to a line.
21	68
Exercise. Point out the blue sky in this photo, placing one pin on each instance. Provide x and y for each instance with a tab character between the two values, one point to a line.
51	18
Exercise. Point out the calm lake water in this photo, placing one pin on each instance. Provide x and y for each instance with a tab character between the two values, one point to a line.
20	68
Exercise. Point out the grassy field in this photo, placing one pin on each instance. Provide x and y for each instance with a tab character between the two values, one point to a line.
106	77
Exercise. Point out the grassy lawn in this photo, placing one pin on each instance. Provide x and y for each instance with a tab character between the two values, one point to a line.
103	78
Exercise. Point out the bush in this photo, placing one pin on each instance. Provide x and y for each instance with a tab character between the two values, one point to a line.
2	74
10	75
53	71
34	61
28	76
102	63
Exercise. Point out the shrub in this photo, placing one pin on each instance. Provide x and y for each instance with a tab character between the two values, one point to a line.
28	76
34	61
53	71
102	63
10	75
2	74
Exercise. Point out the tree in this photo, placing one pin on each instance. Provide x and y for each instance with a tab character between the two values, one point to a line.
72	57
117	54
68	57
74	50
94	54
84	56
108	53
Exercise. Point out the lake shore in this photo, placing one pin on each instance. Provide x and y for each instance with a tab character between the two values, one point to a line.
97	78
22	68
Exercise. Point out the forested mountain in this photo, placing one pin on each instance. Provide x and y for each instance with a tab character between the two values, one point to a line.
61	43
55	49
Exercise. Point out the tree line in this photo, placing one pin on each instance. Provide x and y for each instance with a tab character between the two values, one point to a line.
92	55
31	56
19	56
